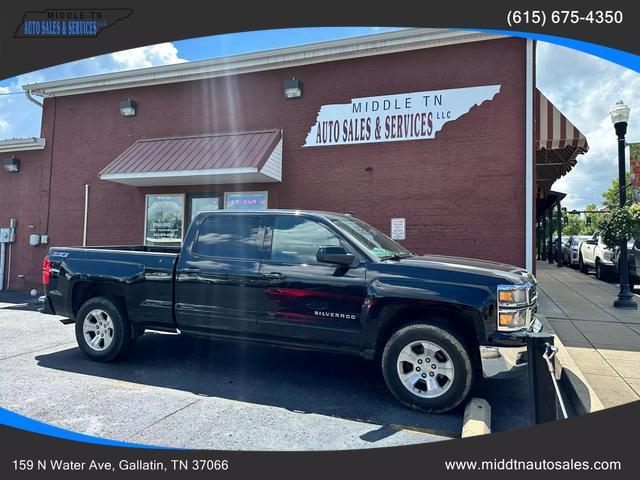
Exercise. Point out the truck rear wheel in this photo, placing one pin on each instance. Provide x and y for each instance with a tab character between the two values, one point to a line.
102	329
427	368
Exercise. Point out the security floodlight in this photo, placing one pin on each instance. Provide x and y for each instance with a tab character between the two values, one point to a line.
12	164
292	88
127	108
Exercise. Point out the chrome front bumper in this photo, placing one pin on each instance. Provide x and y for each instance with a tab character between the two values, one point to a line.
506	362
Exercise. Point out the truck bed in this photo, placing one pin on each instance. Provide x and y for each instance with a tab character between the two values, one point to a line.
142	275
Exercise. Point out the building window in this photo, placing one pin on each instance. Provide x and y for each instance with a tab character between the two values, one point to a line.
164	220
245	200
296	240
229	236
203	203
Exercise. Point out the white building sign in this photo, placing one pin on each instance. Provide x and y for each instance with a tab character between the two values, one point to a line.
394	118
398	229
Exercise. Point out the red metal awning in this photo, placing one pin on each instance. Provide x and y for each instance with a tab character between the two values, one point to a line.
558	143
202	159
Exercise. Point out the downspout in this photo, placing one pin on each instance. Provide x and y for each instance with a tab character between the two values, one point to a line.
86	215
2	255
27	93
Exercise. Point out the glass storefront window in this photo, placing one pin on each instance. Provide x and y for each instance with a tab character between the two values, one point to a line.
164	220
203	203
245	200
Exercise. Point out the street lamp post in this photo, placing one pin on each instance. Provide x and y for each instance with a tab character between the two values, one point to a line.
620	119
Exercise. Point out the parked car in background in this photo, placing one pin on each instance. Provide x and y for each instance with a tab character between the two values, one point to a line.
633	247
595	254
571	250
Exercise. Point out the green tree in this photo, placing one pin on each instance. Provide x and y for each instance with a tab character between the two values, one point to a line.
574	225
611	198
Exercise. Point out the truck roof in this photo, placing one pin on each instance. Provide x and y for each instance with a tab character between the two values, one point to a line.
279	211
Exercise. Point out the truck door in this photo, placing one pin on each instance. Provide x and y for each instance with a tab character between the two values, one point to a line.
590	250
217	275
302	299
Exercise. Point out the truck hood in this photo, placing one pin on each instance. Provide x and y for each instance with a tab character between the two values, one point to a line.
515	275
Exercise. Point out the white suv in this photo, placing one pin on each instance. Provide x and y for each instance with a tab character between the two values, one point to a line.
595	254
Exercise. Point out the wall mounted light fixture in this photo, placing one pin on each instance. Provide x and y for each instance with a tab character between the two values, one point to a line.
12	164
292	88
127	108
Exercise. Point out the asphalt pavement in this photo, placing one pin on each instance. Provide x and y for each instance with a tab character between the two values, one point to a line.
178	391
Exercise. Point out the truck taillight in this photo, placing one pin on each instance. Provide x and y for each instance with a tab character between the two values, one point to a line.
46	271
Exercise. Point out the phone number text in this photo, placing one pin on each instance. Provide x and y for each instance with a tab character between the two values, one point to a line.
541	17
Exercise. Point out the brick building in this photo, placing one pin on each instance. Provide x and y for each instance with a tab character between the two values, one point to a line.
222	133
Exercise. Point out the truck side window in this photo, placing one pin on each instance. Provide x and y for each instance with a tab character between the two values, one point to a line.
229	236
296	240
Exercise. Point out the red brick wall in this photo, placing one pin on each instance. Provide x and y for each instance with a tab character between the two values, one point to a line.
462	193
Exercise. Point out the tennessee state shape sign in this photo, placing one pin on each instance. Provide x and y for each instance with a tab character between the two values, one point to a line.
394	118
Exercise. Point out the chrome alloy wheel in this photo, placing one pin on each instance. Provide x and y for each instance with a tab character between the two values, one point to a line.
98	330
425	369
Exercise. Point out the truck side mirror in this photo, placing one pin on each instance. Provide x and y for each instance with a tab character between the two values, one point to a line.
335	255
591	241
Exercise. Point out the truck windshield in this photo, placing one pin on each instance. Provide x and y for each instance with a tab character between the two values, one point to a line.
372	240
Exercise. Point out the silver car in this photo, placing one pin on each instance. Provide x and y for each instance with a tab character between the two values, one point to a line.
571	249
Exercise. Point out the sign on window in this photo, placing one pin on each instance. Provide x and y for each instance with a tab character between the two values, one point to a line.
164	220
245	200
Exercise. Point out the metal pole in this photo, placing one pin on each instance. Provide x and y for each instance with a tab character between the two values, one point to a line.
559	240
543	237
550	245
625	298
541	387
538	231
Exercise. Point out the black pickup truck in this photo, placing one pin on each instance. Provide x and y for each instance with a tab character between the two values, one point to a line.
305	279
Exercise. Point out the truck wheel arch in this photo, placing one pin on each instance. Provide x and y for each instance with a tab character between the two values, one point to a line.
443	317
84	290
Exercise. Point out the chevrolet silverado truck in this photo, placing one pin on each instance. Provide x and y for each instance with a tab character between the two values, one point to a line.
305	280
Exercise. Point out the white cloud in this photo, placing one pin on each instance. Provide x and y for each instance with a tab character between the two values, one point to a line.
21	118
584	88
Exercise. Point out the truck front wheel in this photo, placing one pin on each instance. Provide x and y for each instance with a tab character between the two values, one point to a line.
102	329
427	368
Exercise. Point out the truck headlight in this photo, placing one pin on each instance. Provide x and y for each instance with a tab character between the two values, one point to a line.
513	295
516	305
514	319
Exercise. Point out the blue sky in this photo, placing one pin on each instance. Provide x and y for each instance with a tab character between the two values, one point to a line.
583	87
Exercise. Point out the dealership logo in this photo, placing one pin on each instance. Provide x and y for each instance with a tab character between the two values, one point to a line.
394	118
69	22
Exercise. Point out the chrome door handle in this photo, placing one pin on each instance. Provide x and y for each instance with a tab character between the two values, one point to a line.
274	276
190	270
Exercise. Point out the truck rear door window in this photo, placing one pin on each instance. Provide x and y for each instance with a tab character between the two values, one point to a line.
229	236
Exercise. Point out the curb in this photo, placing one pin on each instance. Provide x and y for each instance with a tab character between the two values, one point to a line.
477	418
584	398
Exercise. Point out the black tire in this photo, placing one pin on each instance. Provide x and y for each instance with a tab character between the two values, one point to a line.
581	265
599	274
451	346
120	331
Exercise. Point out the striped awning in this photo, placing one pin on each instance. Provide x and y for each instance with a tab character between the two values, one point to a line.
558	143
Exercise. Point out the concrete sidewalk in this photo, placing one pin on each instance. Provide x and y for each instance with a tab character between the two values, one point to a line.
603	341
